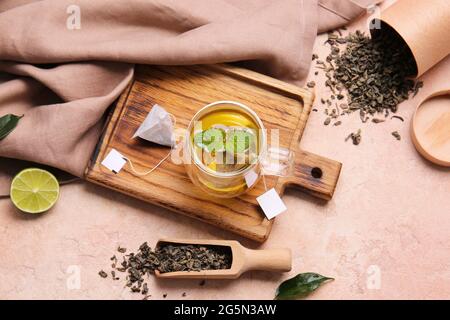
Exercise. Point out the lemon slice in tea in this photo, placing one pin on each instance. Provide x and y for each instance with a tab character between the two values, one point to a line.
34	190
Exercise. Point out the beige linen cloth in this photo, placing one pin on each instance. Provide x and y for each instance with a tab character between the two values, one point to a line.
64	78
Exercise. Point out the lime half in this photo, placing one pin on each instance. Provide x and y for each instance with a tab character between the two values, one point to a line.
34	190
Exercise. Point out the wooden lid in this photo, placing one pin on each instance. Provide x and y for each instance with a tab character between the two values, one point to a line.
430	130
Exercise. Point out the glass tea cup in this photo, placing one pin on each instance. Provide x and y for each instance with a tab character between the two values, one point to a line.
224	146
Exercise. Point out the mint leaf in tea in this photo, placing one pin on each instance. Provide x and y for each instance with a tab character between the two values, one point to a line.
227	141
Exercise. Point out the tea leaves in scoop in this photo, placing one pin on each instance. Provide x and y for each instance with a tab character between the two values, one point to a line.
136	267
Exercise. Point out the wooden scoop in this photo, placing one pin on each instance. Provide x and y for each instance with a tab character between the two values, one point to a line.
243	259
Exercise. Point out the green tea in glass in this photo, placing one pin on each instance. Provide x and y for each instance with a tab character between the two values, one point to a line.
224	145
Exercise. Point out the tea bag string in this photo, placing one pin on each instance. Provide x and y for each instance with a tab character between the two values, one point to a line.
144	173
138	173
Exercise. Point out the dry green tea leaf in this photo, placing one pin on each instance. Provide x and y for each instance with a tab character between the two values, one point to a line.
355	136
311	84
103	274
396	135
398	117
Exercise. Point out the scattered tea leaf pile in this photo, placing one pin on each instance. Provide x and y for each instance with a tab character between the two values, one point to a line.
370	73
167	258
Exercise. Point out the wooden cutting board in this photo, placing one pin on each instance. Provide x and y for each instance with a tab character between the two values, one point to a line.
183	90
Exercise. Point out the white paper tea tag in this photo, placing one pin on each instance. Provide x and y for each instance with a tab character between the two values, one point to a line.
114	161
250	178
271	203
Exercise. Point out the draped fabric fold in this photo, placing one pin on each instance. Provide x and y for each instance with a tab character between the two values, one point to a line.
62	63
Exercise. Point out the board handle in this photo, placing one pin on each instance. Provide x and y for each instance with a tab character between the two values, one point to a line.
313	174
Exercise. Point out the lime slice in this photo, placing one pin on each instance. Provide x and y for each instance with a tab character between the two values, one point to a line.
34	190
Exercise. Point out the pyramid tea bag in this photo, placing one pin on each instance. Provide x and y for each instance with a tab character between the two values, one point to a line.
157	127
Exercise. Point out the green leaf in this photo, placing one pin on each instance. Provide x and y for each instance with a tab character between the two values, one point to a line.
7	124
300	286
238	141
212	140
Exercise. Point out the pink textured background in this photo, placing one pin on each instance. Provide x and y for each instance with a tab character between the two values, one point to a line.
390	210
